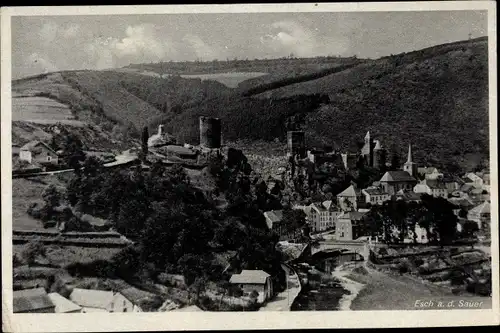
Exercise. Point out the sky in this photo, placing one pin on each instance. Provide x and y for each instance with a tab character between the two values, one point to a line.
49	43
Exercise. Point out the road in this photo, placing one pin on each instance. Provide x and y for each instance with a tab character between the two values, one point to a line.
283	301
124	158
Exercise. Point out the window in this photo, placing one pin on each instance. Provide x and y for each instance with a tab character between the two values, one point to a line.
49	158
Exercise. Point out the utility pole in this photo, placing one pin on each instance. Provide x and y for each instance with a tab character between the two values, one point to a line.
470	35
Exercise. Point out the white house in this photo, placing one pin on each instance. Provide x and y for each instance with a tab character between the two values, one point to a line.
350	198
473	179
38	151
430	173
375	195
348	225
250	280
432	187
481	215
323	216
93	300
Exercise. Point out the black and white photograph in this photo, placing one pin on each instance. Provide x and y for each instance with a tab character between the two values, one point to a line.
249	159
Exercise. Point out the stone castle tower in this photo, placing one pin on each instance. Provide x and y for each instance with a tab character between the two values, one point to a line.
410	166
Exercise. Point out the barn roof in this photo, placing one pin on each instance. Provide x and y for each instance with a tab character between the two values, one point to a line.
31	300
135	295
351	191
250	277
63	305
92	298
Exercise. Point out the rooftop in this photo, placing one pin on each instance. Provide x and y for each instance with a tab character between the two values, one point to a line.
180	150
355	216
63	305
35	143
374	190
274	216
351	191
485	207
30	300
135	295
250	277
397	176
92	298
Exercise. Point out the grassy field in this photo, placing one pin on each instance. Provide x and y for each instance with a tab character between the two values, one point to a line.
42	110
26	191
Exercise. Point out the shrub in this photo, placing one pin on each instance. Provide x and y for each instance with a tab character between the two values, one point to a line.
32	250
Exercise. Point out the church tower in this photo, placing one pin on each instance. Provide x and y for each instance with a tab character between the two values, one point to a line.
410	166
367	150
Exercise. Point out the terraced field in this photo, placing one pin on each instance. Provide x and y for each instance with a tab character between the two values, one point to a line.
42	110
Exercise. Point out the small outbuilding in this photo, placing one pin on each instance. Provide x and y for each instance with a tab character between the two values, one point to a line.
254	280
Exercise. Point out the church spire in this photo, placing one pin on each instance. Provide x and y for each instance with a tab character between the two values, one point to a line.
367	136
410	158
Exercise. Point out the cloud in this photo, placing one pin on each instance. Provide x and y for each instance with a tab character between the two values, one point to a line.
200	48
140	44
40	62
48	32
290	37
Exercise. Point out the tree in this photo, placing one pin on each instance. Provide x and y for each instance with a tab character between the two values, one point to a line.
73	153
469	229
51	196
144	141
395	161
32	250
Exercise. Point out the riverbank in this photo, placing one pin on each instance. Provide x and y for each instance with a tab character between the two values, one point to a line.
353	287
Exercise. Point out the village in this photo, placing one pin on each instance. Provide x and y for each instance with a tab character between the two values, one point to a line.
341	227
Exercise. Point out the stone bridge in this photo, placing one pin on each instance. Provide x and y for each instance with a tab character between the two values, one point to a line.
360	247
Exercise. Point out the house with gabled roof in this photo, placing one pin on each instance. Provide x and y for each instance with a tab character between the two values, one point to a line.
38	151
33	300
322	215
481	214
350	198
92	300
254	280
431	173
375	195
131	300
432	187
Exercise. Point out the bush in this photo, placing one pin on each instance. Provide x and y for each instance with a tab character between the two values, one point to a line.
32	250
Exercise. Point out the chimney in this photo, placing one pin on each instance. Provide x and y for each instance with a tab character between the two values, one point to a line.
160	129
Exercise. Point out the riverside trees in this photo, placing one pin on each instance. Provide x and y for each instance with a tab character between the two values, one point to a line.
395	221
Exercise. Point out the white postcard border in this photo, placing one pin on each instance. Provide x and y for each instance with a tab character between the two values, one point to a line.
237	320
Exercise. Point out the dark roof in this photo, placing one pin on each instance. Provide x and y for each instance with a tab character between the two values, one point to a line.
374	190
33	144
397	176
355	216
135	295
30	300
180	150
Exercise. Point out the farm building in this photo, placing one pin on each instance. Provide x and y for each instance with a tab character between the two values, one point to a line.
250	280
64	305
481	215
130	300
37	151
33	300
92	300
